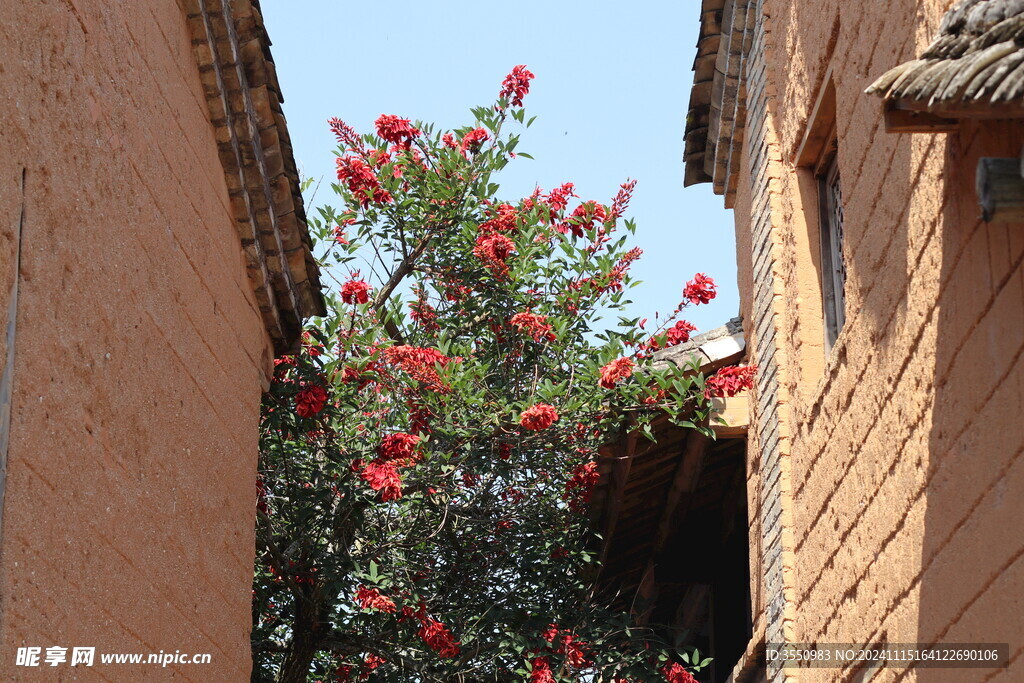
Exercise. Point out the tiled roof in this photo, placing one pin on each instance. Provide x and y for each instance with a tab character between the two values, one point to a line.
717	113
977	58
721	346
244	98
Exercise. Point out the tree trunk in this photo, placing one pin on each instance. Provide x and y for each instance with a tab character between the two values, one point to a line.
307	639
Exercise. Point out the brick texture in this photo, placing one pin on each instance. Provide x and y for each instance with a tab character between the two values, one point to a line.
887	475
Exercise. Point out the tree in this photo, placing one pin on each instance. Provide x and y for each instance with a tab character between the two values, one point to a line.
424	476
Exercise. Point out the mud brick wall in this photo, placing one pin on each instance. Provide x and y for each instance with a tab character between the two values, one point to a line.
140	355
900	460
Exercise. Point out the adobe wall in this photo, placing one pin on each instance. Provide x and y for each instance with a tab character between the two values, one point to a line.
905	446
140	355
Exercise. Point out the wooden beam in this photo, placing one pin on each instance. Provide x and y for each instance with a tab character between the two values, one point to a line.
616	491
821	124
902	120
960	110
1001	189
735	410
683	482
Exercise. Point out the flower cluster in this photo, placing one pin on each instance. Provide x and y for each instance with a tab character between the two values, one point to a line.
438	638
310	401
541	670
420	364
676	673
582	218
619	369
371	599
355	292
516	85
563	642
473	141
398	131
383	476
493	249
399	448
534	325
581	485
362	182
730	381
699	290
538	417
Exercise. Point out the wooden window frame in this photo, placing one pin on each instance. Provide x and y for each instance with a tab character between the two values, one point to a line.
830	239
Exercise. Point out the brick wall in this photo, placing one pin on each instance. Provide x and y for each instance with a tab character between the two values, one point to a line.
904	460
140	352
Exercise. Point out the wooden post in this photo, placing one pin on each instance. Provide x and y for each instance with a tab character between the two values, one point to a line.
1001	189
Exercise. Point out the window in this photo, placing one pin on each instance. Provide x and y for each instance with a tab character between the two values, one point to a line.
833	268
822	202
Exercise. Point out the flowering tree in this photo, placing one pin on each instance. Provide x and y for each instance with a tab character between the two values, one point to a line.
427	459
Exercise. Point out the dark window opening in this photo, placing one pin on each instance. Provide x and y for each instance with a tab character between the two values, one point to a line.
833	266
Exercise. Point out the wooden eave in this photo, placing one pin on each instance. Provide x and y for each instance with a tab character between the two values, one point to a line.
974	69
646	487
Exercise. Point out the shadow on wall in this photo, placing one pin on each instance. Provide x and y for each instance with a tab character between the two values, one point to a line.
972	556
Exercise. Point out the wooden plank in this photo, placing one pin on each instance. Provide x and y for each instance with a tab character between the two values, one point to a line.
957	109
735	410
620	475
912	121
1001	189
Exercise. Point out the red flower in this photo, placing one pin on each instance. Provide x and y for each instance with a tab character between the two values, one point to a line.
346	134
473	140
396	130
622	198
558	200
730	381
582	218
502	220
580	485
616	370
675	673
310	401
538	417
534	325
541	671
679	333
399	448
362	182
699	290
504	451
355	292
373	661
339	231
370	598
419	363
573	651
438	638
383	476
493	249
516	85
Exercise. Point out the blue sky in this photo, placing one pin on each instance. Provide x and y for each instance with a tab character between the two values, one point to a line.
611	93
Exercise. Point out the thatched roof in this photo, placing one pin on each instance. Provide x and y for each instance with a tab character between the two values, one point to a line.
977	59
